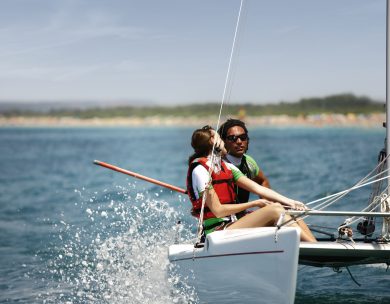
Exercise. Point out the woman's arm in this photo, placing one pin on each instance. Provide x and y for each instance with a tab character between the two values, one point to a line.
221	210
267	193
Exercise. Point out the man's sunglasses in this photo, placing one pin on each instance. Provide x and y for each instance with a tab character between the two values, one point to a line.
233	138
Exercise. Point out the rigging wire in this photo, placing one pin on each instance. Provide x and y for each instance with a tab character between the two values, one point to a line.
367	180
227	79
361	183
374	203
240	35
386	222
329	200
214	157
371	221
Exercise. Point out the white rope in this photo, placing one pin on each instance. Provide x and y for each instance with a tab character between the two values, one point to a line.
345	192
374	204
240	33
230	64
213	154
356	186
352	220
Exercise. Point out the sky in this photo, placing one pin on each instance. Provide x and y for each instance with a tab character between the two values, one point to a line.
177	51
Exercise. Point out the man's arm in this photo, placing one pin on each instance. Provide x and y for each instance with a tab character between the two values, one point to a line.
259	178
262	180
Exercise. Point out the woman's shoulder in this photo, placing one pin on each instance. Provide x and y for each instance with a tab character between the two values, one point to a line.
230	165
201	160
235	171
200	170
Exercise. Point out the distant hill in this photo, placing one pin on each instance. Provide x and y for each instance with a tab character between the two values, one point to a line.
342	104
53	106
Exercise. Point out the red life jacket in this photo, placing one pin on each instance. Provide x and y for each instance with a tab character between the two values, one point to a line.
222	183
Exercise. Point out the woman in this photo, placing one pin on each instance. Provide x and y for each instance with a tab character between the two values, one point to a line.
220	198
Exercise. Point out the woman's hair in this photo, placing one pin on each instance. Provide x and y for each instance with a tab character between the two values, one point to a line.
201	143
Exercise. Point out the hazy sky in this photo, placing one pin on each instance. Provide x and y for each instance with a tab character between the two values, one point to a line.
170	51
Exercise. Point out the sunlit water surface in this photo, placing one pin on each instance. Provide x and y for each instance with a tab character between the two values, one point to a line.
73	232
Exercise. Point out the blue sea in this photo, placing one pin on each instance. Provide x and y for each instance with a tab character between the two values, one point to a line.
74	232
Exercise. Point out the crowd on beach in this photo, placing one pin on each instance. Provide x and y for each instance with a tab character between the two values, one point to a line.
318	120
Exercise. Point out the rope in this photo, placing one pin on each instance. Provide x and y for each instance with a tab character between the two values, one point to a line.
378	200
229	66
214	156
356	186
374	203
353	279
240	34
345	192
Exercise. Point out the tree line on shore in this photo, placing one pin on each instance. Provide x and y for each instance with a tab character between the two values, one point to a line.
340	104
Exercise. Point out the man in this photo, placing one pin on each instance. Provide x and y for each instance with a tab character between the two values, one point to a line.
235	135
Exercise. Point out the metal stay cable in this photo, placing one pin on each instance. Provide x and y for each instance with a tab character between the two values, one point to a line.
341	194
377	201
213	154
356	186
229	66
370	207
361	183
234	66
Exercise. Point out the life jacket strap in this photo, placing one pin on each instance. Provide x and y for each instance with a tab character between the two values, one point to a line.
215	223
222	181
196	212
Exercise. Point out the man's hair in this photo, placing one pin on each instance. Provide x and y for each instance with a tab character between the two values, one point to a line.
223	129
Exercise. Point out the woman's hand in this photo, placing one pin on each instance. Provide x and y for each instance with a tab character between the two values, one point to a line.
219	144
297	205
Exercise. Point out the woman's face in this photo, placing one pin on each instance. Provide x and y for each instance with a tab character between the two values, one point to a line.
219	144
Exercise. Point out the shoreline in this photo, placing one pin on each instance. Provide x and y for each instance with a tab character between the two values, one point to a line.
319	120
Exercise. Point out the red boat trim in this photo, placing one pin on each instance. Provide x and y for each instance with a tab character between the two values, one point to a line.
228	254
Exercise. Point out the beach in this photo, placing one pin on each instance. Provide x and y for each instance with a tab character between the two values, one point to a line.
319	120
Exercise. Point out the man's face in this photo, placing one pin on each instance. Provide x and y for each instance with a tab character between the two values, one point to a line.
236	142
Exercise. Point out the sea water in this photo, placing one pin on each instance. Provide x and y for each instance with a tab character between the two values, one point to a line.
74	232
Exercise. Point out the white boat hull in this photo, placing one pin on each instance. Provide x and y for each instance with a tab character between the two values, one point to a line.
241	266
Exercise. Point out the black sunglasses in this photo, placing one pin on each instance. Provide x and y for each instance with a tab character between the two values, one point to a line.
233	138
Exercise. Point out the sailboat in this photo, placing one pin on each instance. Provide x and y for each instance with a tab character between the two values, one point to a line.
259	265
